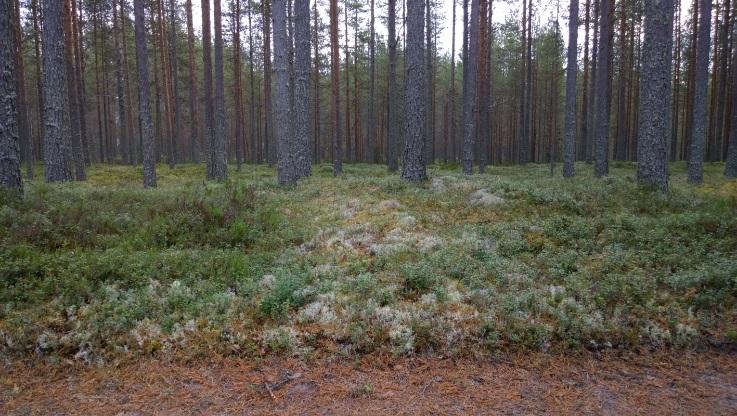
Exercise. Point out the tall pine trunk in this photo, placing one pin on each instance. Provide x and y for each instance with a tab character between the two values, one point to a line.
144	112
282	110
698	134
10	177
602	106
208	125
652	143
469	97
335	87
57	139
220	160
302	87
194	151
413	166
569	143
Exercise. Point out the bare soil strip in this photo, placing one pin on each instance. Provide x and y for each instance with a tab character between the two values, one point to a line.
674	383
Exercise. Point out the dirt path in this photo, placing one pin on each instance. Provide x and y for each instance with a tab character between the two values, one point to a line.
682	383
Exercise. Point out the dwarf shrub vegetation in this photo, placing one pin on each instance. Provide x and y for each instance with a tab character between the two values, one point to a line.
105	270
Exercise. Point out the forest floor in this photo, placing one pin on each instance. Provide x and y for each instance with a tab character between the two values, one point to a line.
103	281
689	384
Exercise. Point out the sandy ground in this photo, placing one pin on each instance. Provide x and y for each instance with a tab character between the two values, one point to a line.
665	383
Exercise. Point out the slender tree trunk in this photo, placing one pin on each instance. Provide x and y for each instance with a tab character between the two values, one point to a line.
569	145
698	135
268	125
652	144
144	112
483	86
174	79
237	93
371	135
120	88
74	109
302	88
730	167
392	134
621	144
414	166
208	125
24	133
317	152
219	151
716	155
39	78
591	138
601	167
10	177
255	155
79	73
450	139
348	141
335	84
193	105
469	99
581	152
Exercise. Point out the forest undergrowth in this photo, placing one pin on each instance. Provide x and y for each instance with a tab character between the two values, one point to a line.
514	259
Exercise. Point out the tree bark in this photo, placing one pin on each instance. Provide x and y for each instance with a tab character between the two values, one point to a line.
72	96
208	126
144	112
287	174
335	86
10	177
268	111
193	105
220	160
698	134
302	88
601	151
652	144
57	139
413	166
469	98
569	145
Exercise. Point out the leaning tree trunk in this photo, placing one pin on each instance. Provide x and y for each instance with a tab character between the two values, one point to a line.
569	144
144	112
57	139
284	145
469	97
413	168
219	143
654	133
601	108
698	132
392	125
302	87
9	153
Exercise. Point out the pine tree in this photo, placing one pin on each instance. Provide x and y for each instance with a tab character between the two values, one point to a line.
413	166
144	112
569	144
698	134
302	87
335	86
469	96
287	174
10	177
220	142
392	106
603	90
57	139
654	133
